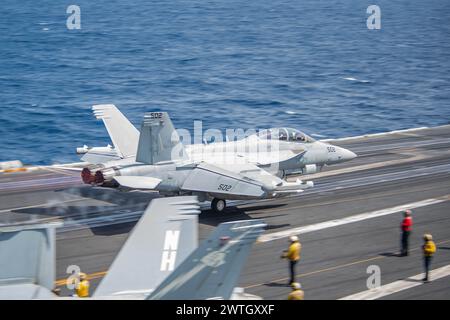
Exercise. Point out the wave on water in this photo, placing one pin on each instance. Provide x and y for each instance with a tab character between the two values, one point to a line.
233	64
356	80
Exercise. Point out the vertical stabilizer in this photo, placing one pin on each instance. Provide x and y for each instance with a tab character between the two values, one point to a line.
164	236
212	271
123	134
27	261
159	140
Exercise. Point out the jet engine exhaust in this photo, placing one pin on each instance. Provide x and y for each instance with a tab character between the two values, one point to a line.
99	178
87	176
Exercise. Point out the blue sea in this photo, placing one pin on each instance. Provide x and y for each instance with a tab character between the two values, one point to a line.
308	64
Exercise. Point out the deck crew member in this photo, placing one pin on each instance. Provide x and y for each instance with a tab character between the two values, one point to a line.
293	255
406	232
297	292
429	248
82	289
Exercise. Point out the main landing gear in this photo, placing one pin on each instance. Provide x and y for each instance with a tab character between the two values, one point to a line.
218	205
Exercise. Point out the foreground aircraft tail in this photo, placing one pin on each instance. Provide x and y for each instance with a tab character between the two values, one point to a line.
27	261
164	236
159	140
212	271
123	134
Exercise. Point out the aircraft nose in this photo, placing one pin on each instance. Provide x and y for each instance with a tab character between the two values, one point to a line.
346	154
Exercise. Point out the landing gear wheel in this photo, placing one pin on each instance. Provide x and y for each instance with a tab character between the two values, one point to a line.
218	205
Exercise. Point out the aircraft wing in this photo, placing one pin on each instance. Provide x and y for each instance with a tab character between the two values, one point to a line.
123	134
217	179
212	271
164	236
246	180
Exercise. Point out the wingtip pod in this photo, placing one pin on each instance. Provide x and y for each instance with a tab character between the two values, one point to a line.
82	150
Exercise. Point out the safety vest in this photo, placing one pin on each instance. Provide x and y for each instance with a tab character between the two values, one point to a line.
429	248
296	295
293	253
82	289
407	224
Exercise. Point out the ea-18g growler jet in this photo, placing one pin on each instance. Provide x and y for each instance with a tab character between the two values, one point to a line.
251	168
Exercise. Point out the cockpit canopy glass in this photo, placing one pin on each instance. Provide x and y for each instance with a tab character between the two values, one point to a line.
285	134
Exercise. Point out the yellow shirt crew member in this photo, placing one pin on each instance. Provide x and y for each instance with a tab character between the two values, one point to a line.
429	248
293	255
297	292
82	289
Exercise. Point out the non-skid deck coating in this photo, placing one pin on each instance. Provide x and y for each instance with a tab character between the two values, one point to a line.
392	171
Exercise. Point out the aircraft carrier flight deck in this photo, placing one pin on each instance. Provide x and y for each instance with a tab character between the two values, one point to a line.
349	221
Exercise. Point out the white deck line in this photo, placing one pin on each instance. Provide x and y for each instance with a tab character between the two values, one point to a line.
351	219
398	286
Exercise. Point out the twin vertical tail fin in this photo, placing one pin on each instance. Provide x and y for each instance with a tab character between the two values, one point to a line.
27	261
212	270
164	236
159	141
123	134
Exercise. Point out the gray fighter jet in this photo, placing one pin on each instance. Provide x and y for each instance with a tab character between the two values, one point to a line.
251	168
159	260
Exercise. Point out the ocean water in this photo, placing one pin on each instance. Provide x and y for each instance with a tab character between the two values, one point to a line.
308	64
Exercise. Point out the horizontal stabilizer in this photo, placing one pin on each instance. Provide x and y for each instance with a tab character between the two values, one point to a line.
138	182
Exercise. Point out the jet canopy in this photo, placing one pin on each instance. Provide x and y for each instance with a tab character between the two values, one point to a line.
285	134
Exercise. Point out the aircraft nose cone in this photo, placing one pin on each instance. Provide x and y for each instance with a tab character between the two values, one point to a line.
347	155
